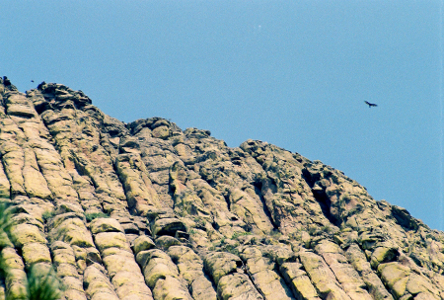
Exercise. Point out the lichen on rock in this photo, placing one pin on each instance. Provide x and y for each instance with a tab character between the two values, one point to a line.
146	210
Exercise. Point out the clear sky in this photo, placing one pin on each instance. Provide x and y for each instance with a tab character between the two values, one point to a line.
292	73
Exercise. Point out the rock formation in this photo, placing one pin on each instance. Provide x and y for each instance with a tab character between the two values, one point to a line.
145	210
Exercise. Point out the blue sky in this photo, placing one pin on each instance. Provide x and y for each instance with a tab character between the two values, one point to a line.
292	73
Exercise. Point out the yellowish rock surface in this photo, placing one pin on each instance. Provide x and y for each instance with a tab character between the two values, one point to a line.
146	210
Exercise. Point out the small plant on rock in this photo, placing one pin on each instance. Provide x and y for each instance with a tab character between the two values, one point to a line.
326	228
232	248
275	234
237	234
5	215
48	215
43	285
40	285
91	216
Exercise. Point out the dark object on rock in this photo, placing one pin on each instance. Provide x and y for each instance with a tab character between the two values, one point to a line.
39	87
6	81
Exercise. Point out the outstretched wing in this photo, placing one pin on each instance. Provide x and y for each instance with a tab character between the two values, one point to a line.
370	104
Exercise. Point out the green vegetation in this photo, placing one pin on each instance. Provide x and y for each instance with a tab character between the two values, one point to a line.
326	228
5	215
48	215
4	229
237	234
356	210
91	216
226	245
232	249
44	286
275	234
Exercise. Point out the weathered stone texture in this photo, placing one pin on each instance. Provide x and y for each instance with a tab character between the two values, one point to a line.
146	210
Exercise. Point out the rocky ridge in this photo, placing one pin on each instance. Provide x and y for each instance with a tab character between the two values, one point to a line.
146	210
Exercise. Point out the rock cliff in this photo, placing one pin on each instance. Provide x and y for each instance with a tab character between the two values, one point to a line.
145	210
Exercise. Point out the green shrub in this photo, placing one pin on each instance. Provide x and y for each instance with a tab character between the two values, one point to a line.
43	285
225	245
5	215
326	228
232	249
91	216
275	234
237	234
312	230
48	215
4	228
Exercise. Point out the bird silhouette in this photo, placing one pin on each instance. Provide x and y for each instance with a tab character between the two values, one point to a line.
370	104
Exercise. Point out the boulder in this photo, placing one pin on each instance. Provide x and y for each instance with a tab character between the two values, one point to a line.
74	232
22	234
219	264
262	272
105	240
237	286
97	285
143	243
191	269
99	225
167	226
35	253
166	241
395	277
156	264
299	281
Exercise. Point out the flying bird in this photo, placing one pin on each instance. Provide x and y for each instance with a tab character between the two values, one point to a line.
32	80
370	104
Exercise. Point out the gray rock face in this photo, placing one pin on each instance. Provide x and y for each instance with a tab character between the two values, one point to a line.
146	210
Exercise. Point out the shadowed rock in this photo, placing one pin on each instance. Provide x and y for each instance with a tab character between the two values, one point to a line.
146	210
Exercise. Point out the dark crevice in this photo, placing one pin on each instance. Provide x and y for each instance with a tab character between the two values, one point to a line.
254	285
320	195
79	168
104	146
131	208
288	291
41	107
250	276
215	225
227	199
2	279
310	178
416	260
19	251
258	183
7	177
325	203
172	229
258	190
210	279
171	191
404	218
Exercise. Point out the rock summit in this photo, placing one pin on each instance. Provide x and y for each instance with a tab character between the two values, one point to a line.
146	210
